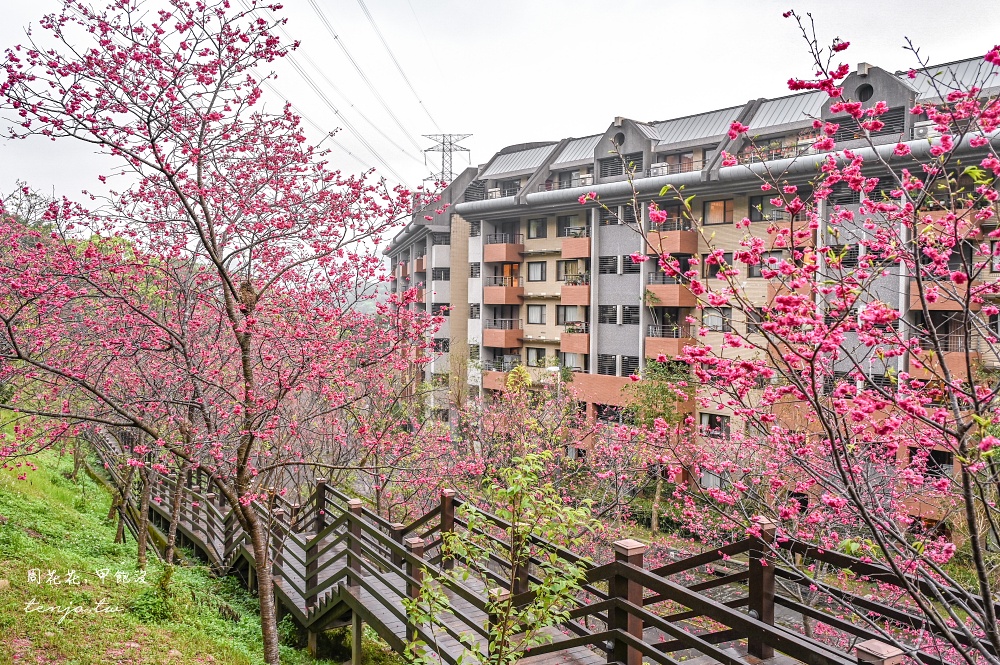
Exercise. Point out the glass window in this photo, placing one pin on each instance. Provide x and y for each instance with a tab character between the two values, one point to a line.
536	271
717	319
442	344
440	308
768	259
475	310
536	356
709	270
566	314
714	425
567	267
607	314
537	228
441	274
630	315
630	267
536	314
475	269
718	212
475	229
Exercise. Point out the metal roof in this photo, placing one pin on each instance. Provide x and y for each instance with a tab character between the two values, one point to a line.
694	127
578	149
517	162
648	130
788	110
953	75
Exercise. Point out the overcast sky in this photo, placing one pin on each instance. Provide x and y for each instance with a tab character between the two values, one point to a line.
512	71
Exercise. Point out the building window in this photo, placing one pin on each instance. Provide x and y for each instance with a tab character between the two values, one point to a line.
630	315
567	267
538	228
610	167
630	267
607	314
440	415
475	310
536	356
769	260
569	226
608	216
994	257
717	319
845	256
566	314
628	214
710	270
510	187
440	274
474	352
714	425
607	265
475	269
718	212
441	238
939	463
536	314
755	316
607	365
475	229
442	344
440	308
536	271
630	365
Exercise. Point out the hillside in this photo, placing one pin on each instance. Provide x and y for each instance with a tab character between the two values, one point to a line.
68	614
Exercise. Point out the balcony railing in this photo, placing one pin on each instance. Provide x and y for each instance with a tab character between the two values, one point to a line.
501	365
581	279
777	216
502	324
948	343
672	331
499	280
577	327
497	193
576	232
585	180
662	278
503	239
762	154
669	169
670	224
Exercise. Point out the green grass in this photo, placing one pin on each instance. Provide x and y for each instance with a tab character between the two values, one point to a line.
50	523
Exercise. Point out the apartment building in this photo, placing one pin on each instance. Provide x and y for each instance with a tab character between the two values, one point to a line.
549	282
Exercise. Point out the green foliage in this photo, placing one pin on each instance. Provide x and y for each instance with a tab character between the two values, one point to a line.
659	393
538	522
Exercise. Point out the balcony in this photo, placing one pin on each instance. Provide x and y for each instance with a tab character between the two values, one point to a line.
584	180
420	265
402	270
576	290
951	296
576	243
503	247
663	168
502	333
953	356
502	291
675	235
495	371
669	291
669	340
575	338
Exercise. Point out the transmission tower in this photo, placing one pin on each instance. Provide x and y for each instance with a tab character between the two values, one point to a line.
447	144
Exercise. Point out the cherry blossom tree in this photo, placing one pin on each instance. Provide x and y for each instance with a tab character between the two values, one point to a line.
211	305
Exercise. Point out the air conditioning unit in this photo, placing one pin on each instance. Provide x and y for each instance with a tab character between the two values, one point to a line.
925	130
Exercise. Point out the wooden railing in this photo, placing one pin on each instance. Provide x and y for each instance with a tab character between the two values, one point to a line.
333	557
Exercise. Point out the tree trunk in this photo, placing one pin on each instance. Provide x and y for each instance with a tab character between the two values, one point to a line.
143	527
655	511
265	585
123	505
77	458
122	493
175	515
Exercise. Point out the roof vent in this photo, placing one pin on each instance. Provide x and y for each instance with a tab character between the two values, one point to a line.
619	120
863	68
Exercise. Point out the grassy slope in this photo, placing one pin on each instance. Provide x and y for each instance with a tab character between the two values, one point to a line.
50	523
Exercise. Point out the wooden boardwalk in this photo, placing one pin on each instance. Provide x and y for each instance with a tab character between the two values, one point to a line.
336	563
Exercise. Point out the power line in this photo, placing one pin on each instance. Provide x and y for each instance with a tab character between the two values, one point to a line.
446	145
371	19
333	33
427	43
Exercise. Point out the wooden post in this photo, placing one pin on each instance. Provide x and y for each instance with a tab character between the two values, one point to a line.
519	574
357	630
498	596
188	481
312	576
415	547
229	525
354	543
320	504
761	585
626	552
196	510
447	526
396	533
878	653
277	542
211	530
296	508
